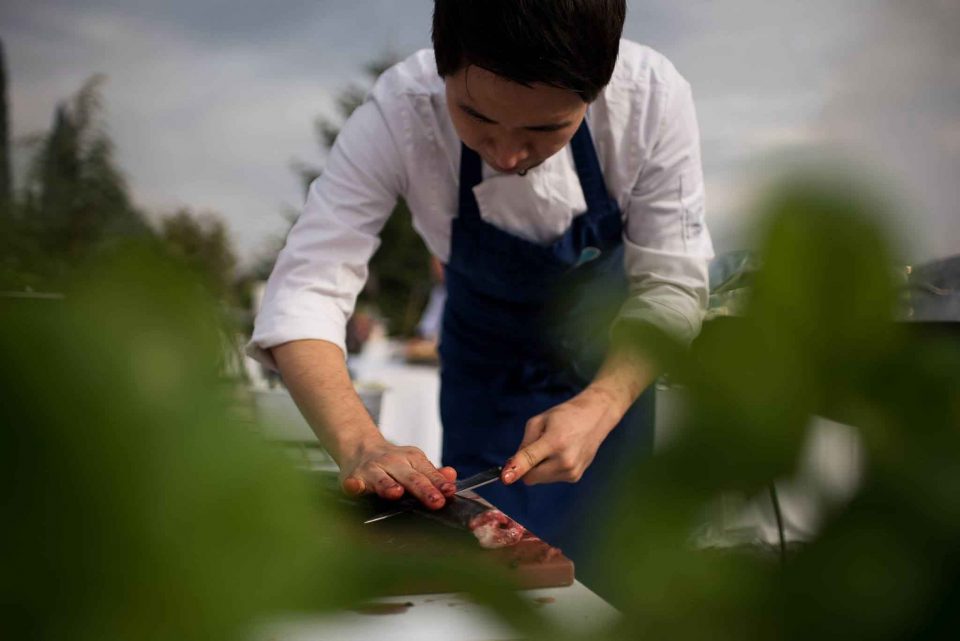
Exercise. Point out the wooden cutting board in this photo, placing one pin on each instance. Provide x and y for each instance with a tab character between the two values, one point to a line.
531	563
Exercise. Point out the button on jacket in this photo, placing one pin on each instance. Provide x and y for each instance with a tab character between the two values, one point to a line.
401	143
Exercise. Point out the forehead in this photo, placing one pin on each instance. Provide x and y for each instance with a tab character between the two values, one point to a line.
507	101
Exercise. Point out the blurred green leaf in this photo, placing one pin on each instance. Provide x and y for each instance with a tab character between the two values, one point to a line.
136	505
818	339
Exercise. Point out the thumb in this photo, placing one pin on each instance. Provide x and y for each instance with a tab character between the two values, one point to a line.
533	431
524	460
354	486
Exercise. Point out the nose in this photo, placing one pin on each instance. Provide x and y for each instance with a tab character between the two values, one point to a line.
509	154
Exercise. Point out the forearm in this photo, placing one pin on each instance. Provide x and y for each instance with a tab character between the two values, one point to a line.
316	374
624	375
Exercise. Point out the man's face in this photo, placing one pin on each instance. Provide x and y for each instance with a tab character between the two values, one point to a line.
512	127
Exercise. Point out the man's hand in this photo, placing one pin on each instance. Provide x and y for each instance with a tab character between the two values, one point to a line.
316	374
392	470
560	444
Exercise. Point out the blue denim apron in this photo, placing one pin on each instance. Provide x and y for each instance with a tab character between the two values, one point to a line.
525	328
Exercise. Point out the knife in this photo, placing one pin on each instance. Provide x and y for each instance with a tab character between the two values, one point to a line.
470	483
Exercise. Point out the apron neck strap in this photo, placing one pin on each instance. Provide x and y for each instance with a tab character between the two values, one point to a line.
588	167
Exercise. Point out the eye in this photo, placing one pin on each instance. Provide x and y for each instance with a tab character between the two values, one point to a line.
476	116
547	129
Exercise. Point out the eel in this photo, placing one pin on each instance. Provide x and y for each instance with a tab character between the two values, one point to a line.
491	527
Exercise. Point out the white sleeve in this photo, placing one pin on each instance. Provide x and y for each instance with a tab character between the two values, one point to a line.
666	241
322	268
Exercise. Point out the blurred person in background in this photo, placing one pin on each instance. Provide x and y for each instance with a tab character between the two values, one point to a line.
423	348
555	170
358	330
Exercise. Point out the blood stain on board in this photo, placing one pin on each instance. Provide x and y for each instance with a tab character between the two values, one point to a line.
544	600
382	608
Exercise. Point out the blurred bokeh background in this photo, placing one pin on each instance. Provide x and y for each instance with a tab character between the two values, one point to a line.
209	103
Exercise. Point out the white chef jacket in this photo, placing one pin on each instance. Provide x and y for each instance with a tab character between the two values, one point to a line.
401	142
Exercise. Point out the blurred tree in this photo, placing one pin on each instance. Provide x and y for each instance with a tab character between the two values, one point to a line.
24	266
399	280
6	181
203	245
74	200
16	250
75	195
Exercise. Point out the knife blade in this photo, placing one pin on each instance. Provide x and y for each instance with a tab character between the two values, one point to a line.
470	483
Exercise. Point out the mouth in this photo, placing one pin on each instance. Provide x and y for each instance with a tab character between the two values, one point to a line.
501	170
513	170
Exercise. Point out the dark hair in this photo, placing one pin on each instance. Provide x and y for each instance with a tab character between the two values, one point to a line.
571	44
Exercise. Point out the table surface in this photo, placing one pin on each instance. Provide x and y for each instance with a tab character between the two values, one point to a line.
409	410
450	617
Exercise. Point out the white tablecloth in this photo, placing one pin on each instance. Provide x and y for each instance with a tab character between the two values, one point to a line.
448	617
409	410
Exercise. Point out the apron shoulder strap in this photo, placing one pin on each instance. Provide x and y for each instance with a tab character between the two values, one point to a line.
470	176
588	167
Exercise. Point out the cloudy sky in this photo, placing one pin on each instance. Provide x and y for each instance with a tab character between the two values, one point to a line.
210	101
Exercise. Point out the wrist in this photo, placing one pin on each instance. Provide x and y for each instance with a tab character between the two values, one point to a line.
623	377
352	444
616	399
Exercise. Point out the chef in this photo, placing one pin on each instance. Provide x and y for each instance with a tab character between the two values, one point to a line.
555	170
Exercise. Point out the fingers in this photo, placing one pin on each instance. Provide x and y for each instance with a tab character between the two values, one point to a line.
525	460
384	484
449	473
420	486
530	453
418	476
553	471
373	480
422	464
394	470
553	468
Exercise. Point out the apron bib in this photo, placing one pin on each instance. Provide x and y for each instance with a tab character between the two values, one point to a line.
525	328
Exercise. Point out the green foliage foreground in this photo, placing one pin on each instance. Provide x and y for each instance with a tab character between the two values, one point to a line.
817	339
136	506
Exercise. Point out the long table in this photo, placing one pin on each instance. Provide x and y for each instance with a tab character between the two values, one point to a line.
446	617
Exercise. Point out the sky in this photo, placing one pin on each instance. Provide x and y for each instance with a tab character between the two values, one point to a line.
211	102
